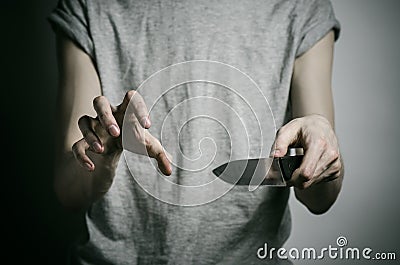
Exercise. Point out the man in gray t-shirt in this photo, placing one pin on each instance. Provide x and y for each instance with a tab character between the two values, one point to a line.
125	55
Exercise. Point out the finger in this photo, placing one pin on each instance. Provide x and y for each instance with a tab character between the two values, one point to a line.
155	150
327	160
79	150
332	172
164	164
133	135
138	131
134	103
85	124
293	181
286	136
299	182
304	175
105	115
329	178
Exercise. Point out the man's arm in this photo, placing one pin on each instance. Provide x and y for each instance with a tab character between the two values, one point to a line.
311	90
311	93
78	85
88	133
318	180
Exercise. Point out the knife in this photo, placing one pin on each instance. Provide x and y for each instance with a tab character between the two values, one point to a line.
267	171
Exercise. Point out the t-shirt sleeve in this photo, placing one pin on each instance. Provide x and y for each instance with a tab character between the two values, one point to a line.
70	17
318	18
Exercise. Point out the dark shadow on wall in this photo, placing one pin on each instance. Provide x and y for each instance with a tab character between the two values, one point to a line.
37	227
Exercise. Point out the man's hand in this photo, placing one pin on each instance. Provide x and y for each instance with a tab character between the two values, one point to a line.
102	135
321	162
85	172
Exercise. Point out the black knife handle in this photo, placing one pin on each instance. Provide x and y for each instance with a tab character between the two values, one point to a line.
289	164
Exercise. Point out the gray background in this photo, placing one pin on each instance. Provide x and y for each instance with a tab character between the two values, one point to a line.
366	90
366	78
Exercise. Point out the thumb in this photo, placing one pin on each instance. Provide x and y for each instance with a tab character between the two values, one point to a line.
286	136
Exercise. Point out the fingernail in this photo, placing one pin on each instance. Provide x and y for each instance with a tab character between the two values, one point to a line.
114	131
97	147
88	166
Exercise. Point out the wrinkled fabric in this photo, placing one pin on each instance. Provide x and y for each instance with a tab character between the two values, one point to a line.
128	42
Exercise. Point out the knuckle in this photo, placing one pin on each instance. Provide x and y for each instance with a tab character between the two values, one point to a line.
334	154
322	143
159	155
306	173
104	115
147	141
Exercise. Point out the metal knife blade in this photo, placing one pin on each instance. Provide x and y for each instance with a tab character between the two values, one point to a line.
261	171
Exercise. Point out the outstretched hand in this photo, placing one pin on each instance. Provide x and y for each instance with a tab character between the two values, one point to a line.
102	134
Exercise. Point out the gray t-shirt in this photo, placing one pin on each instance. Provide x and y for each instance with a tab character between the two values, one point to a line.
131	40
